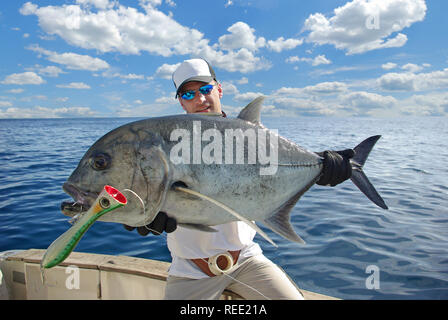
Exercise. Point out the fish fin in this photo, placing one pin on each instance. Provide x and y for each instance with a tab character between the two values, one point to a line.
199	227
280	223
229	210
252	111
358	177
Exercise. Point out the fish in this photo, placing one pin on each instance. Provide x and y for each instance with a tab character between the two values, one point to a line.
205	170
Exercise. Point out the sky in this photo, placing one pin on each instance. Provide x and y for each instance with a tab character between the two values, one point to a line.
114	58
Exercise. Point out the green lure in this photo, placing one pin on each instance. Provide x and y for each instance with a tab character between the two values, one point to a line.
108	200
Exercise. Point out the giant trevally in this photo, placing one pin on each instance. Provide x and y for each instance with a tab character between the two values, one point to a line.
204	170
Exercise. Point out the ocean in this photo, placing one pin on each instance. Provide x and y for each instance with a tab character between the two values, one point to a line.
354	250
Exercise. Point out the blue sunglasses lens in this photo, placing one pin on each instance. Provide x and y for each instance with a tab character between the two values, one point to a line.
205	90
188	95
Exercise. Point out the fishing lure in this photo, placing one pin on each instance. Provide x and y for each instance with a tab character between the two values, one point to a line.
109	199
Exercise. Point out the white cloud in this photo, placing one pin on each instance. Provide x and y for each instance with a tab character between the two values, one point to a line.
165	71
74	85
122	29
292	59
241	36
167	100
326	71
333	99
229	88
5	104
43	112
431	104
411	67
408	81
361	25
366	100
34	98
15	91
320	89
248	96
23	78
281	44
389	66
100	4
71	60
49	71
318	60
300	106
326	88
129	76
243	80
28	8
150	3
171	3
129	31
337	98
243	60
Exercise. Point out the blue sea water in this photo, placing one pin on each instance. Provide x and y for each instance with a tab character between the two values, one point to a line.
346	234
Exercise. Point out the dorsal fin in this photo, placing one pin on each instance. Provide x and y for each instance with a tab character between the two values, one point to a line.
251	112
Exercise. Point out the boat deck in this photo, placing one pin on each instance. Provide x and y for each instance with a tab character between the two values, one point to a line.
96	276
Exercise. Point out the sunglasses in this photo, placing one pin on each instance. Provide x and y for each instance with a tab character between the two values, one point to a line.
205	90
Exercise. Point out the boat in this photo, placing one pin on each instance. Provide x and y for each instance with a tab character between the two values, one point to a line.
89	276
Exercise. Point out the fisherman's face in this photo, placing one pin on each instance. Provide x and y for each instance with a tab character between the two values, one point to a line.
201	103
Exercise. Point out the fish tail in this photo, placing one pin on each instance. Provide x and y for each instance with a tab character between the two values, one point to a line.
358	176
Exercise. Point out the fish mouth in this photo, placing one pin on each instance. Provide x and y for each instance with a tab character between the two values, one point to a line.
83	200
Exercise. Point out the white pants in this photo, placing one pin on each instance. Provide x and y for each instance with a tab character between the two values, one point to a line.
257	278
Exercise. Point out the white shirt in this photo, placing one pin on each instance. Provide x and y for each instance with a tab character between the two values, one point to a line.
185	244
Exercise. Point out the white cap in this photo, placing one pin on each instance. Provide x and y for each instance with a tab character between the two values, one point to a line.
192	70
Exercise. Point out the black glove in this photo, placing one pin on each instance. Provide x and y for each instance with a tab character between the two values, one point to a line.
160	223
337	167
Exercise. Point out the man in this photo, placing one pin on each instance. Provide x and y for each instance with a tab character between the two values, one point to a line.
199	256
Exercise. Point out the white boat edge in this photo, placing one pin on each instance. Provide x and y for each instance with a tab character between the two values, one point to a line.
88	276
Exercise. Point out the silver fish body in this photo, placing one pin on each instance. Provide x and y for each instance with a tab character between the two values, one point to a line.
139	156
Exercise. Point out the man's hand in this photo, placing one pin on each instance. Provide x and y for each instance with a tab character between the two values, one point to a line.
337	167
160	223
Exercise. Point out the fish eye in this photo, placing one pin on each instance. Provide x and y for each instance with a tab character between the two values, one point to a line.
100	161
